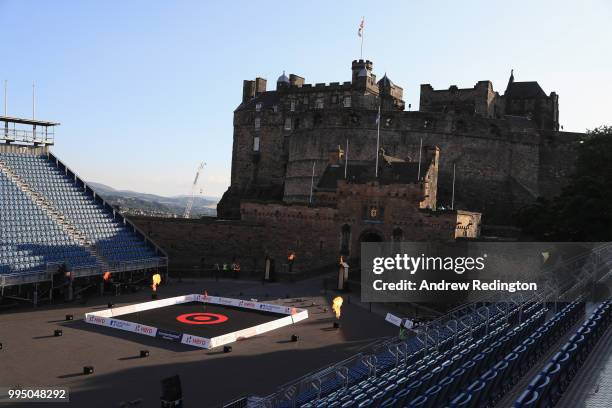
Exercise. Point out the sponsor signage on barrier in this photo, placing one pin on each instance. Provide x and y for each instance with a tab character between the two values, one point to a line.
409	324
274	308
103	321
196	341
169	335
393	319
146	330
122	325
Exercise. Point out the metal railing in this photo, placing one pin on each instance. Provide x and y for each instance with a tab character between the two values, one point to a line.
27	136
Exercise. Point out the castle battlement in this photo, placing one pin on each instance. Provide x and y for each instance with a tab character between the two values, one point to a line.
504	149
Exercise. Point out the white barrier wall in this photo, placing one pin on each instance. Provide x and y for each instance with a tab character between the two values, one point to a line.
107	318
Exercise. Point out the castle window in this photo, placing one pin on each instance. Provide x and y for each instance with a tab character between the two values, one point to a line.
346	102
319	103
306	100
258	106
257	123
256	144
275	108
334	98
292	108
287	123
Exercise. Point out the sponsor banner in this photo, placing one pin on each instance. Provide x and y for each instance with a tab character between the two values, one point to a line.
221	340
298	317
196	341
122	325
146	330
247	304
394	320
409	324
95	319
169	335
267	307
227	301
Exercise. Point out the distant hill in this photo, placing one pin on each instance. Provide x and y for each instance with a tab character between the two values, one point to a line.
132	202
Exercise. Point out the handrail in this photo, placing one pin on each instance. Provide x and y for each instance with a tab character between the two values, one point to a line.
116	212
27	136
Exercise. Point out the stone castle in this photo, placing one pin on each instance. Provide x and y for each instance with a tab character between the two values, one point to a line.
305	181
506	149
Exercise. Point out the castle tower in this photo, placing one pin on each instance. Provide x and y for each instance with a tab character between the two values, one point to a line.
362	77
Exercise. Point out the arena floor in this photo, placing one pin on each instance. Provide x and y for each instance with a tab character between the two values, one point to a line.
199	319
31	356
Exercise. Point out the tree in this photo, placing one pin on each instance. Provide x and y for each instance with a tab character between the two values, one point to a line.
583	209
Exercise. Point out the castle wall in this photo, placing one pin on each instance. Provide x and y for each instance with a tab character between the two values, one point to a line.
479	100
496	164
192	244
309	233
557	160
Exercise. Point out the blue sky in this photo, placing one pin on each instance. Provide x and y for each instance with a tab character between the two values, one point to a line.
145	90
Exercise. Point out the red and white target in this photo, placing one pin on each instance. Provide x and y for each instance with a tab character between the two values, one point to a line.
202	318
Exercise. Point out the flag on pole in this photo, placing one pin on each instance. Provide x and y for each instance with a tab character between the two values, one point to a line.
377	139
361	27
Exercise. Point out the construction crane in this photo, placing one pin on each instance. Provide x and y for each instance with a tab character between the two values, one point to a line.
194	189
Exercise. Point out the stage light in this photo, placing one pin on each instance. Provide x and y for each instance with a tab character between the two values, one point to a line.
58	332
69	317
88	370
144	353
295	338
172	393
110	305
227	349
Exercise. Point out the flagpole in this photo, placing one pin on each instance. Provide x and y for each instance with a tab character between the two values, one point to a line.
377	139
312	181
453	196
362	34
420	150
346	160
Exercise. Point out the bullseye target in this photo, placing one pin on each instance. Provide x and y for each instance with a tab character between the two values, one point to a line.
202	318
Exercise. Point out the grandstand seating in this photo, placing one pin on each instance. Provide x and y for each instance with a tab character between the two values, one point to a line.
473	372
31	239
547	387
476	351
